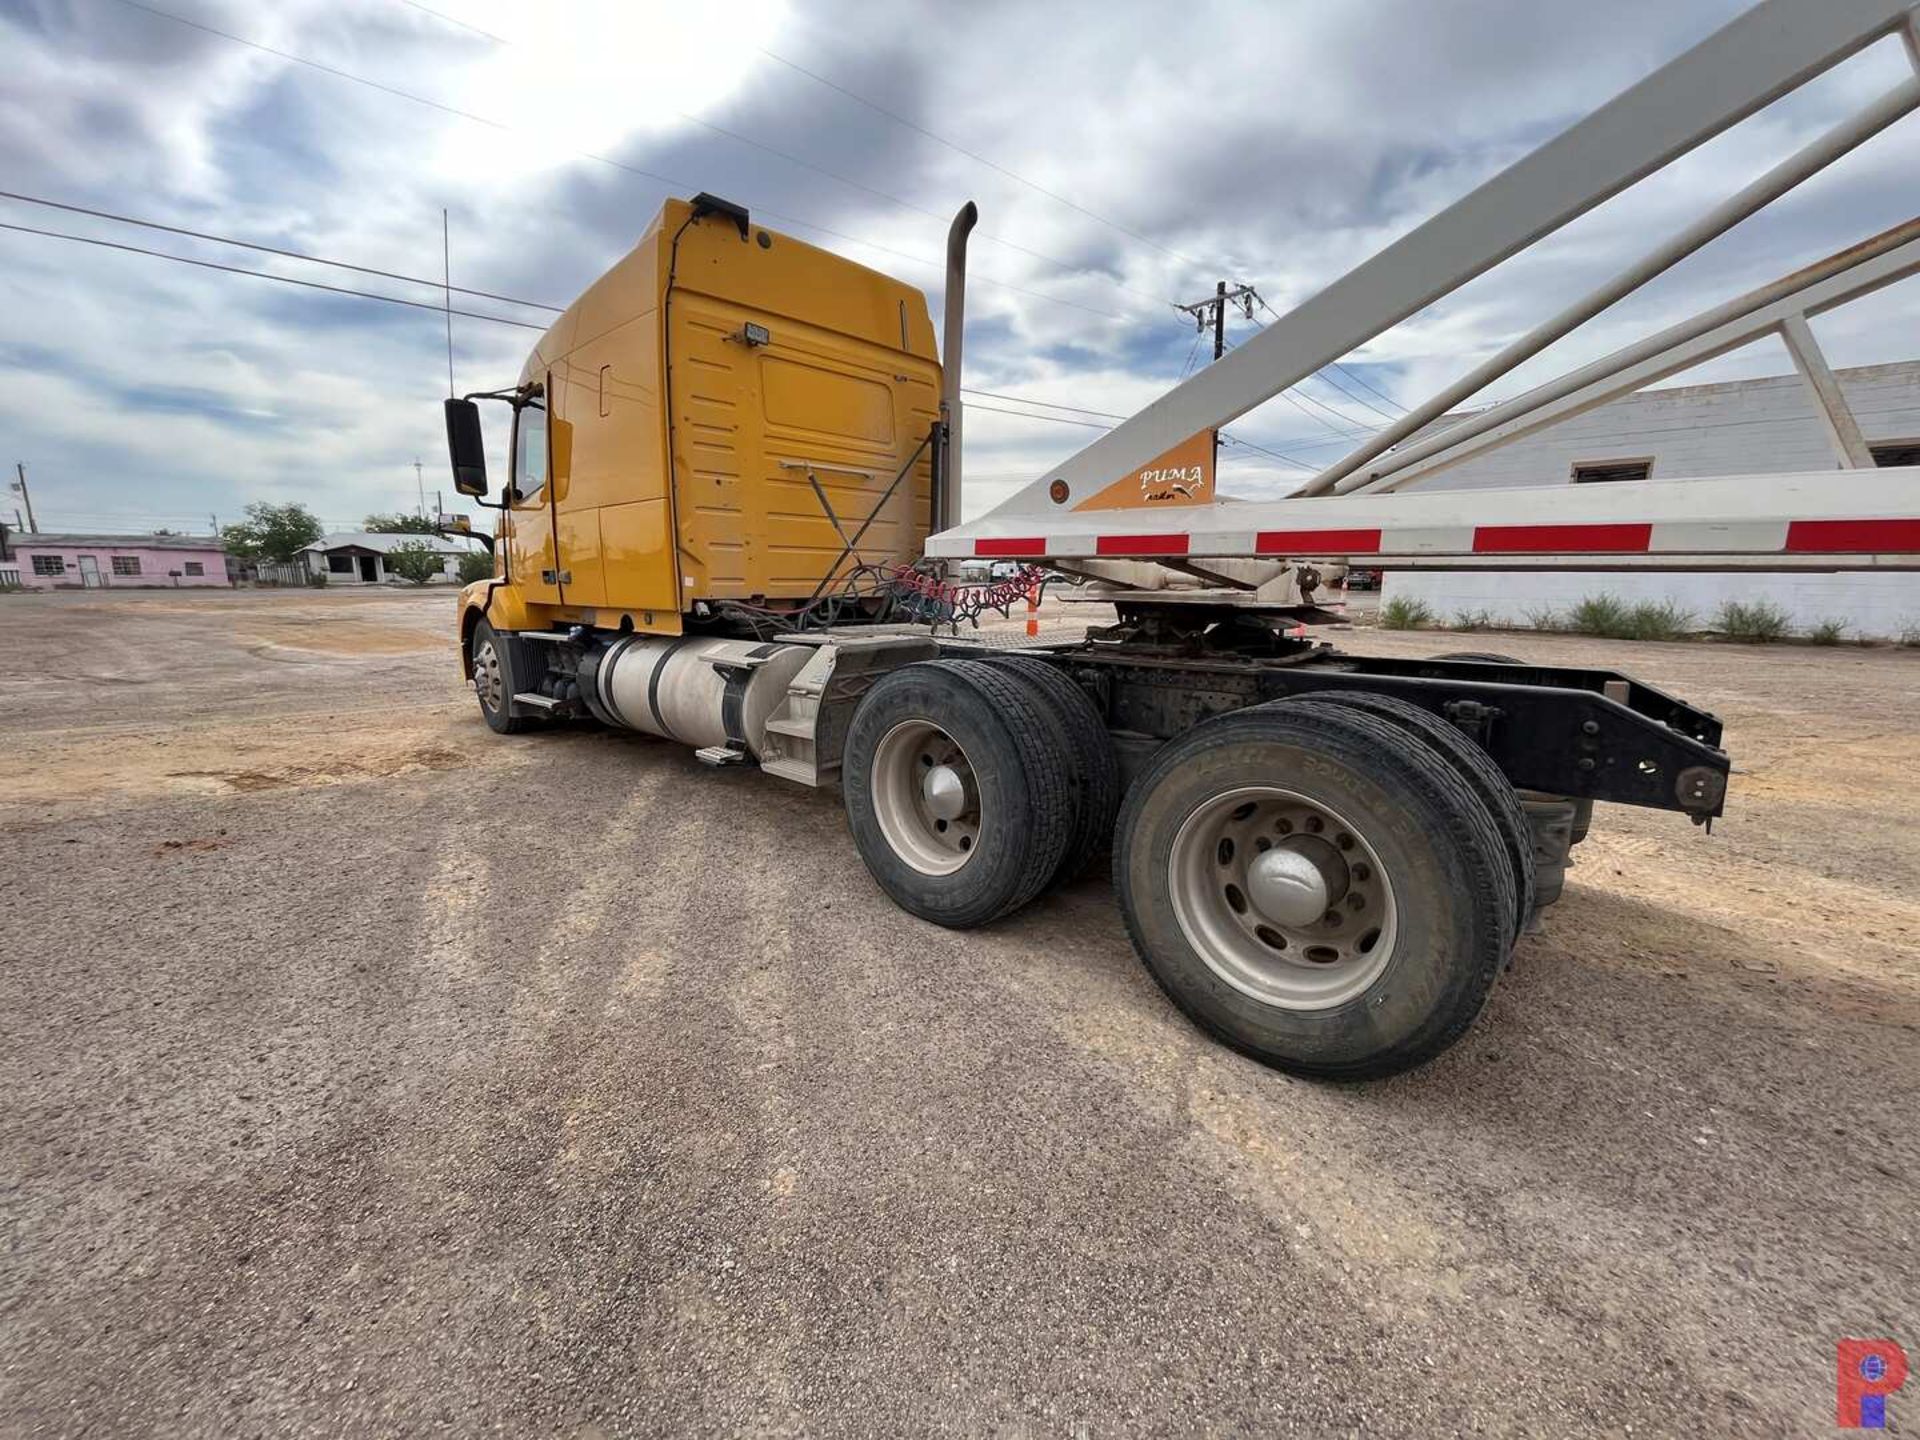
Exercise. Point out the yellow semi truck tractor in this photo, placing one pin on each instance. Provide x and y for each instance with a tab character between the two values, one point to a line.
727	458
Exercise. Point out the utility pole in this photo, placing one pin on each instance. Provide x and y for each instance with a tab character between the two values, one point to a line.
1216	310
1213	310
420	481
32	525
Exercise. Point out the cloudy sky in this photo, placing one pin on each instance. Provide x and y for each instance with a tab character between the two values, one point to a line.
1125	156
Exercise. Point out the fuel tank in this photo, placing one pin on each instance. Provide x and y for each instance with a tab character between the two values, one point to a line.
702	692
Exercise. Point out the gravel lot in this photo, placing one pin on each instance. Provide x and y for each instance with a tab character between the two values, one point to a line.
367	1073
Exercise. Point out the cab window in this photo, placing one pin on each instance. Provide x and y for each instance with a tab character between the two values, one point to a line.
529	450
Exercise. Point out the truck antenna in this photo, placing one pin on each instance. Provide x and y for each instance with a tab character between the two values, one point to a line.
446	285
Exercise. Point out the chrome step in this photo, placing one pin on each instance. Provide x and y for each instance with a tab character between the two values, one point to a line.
801	772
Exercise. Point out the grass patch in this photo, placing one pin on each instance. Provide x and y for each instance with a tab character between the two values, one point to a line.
1604	615
1828	632
1546	618
1401	613
1662	620
1759	622
1612	618
1910	637
1473	620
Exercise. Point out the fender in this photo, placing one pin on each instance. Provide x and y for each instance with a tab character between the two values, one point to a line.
497	603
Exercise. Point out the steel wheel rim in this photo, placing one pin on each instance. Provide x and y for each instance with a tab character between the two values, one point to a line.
1243	911
925	798
488	683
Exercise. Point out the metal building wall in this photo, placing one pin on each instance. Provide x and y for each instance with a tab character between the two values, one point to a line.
1745	427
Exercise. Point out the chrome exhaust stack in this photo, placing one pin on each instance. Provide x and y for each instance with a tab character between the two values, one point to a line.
946	507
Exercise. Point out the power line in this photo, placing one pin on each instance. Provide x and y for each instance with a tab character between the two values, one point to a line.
1351	375
1344	420
667	180
972	155
1275	454
1325	379
819	169
1091	425
1295	400
1026	415
1192	350
1044	404
270	250
263	275
438	15
1360	380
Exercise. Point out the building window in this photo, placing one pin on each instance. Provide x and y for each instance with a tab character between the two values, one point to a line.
49	565
194	567
340	564
126	564
1895	452
1600	472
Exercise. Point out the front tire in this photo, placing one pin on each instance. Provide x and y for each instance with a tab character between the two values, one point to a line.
1316	888
490	667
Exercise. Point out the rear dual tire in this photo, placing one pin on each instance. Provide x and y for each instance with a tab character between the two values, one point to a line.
955	783
1474	767
1092	771
1240	830
1329	885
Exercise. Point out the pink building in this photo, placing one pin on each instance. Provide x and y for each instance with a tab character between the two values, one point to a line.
84	562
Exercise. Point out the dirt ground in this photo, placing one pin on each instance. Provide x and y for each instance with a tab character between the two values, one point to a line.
367	1073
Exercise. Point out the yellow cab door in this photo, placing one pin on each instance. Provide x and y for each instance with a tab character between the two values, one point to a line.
575	507
532	558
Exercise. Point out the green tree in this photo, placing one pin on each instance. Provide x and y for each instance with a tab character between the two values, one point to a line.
273	532
415	560
475	565
399	523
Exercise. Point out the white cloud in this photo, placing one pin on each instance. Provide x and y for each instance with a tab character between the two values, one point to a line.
1276	143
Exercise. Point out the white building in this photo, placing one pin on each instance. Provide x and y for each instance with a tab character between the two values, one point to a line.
359	557
1741	428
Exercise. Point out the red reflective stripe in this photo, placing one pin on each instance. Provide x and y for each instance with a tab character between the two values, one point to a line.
1009	547
1854	536
1513	539
1140	545
1319	542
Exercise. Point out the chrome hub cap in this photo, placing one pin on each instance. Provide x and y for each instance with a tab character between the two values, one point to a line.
925	798
488	682
1282	898
944	792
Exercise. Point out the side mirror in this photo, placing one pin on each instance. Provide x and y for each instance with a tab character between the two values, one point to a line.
467	447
